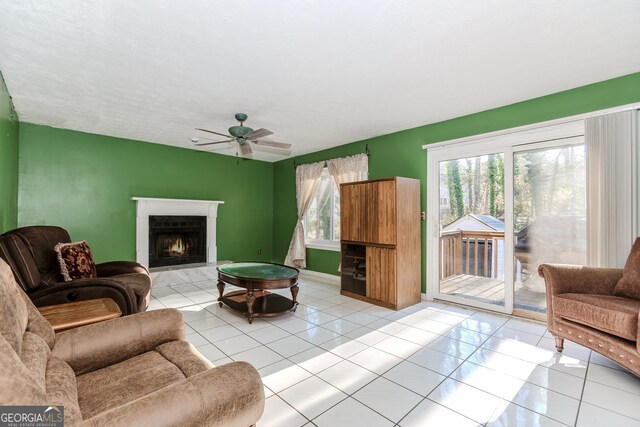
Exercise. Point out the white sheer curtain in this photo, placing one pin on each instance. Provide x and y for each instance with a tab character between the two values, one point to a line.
349	169
307	179
611	187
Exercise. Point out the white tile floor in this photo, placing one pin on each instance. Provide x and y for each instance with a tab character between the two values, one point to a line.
341	362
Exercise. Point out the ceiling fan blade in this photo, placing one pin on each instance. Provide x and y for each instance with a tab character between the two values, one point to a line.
246	149
259	133
273	144
214	142
217	133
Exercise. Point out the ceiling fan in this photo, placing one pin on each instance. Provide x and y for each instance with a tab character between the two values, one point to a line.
243	135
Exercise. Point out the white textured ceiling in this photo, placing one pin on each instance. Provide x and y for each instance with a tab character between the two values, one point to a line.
317	73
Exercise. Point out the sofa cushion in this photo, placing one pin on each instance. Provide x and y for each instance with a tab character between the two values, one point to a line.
40	239
38	324
614	315
113	268
629	285
76	260
35	354
115	385
15	252
185	357
62	390
140	284
13	310
16	385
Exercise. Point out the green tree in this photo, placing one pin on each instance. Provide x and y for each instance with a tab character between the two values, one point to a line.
499	187
492	172
455	189
471	188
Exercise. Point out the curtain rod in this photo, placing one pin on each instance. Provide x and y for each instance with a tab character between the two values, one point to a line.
366	151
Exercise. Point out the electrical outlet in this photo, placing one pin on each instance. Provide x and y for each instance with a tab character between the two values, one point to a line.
259	251
423	215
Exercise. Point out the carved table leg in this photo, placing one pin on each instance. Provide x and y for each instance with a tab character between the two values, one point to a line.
294	295
221	290
250	300
559	344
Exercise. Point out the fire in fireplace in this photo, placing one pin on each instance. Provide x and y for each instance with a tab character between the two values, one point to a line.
177	248
175	240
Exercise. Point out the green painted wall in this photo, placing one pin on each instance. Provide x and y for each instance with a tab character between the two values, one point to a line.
401	153
9	129
83	182
321	260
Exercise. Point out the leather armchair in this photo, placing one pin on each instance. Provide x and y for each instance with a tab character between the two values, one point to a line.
590	306
29	252
130	371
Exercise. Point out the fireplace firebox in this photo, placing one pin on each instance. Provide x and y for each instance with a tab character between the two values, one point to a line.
176	240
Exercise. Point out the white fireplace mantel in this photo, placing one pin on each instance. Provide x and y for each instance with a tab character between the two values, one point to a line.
146	206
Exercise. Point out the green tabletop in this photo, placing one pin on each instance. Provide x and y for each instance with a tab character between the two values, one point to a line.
258	270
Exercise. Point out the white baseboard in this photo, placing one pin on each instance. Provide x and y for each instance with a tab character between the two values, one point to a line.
324	277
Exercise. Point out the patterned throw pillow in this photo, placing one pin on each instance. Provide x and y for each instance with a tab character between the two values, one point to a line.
76	260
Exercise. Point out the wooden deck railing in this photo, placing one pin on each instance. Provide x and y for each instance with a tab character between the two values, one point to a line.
469	252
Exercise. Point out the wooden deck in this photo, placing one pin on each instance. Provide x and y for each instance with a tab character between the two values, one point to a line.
491	290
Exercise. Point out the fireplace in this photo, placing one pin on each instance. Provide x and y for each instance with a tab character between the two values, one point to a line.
147	207
175	240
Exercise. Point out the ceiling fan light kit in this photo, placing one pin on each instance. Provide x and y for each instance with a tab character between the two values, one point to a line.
243	135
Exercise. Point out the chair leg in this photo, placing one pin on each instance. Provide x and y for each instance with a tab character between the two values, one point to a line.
559	344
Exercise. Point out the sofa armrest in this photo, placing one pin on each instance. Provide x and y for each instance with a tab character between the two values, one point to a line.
85	289
561	278
96	346
115	268
231	394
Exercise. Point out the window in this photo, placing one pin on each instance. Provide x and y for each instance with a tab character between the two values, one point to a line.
322	221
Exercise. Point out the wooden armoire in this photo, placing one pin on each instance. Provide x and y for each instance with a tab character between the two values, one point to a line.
380	241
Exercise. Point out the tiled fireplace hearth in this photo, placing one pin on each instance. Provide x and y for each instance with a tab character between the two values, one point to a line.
172	232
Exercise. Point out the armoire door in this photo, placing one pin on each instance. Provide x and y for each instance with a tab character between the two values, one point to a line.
352	212
381	212
381	274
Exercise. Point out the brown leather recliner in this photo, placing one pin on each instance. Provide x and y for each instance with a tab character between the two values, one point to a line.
598	308
132	371
29	252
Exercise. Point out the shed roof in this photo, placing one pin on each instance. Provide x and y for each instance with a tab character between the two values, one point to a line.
486	220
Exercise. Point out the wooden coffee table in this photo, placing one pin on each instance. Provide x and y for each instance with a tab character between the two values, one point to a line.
257	278
80	313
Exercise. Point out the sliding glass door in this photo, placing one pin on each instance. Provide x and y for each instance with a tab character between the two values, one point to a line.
471	224
496	214
549	212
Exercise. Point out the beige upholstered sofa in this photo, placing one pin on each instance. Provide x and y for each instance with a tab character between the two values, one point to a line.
132	371
597	308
